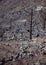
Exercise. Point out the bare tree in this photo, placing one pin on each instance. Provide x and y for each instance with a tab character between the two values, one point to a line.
31	24
43	15
30	15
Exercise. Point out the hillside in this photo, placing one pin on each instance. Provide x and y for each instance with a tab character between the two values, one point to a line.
20	19
15	19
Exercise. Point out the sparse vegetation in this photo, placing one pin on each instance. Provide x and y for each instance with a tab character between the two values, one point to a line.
22	32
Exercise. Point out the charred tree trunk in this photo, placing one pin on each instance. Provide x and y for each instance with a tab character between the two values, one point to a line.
31	24
44	24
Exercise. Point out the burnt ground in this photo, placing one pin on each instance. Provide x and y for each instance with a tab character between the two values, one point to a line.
16	48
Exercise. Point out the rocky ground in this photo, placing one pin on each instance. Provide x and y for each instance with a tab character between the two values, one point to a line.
16	48
23	53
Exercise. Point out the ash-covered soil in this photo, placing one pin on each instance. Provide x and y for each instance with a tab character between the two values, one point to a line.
16	48
15	19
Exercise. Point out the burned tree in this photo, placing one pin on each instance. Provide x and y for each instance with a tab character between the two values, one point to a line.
31	17
31	24
44	13
44	24
43	16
